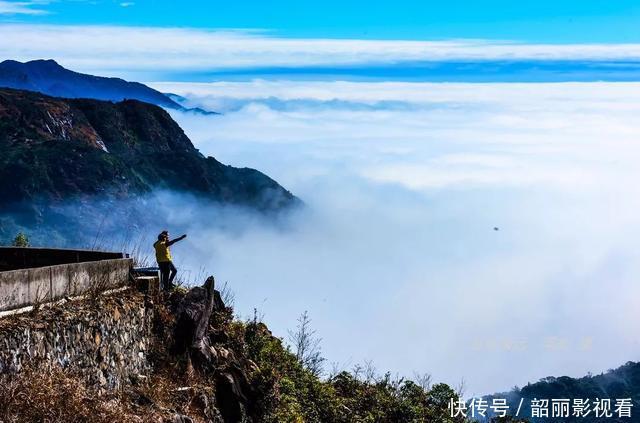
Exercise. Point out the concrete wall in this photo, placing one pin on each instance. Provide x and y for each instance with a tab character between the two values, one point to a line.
13	258
106	339
25	287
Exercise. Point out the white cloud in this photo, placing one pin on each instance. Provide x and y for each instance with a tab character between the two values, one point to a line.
21	8
127	4
396	257
115	50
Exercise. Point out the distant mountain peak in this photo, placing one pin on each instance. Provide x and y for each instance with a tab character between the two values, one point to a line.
37	65
48	77
45	62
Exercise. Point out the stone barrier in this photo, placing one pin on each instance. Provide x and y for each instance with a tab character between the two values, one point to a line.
106	339
29	287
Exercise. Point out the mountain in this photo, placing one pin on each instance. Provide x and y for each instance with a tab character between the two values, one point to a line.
53	150
620	383
48	77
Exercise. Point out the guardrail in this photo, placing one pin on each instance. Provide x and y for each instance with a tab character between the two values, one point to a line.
38	284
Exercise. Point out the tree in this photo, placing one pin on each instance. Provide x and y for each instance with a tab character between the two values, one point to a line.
21	240
307	345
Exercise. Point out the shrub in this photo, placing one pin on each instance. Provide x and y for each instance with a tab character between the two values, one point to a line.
21	240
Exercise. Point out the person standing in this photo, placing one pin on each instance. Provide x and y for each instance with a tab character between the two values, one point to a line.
163	257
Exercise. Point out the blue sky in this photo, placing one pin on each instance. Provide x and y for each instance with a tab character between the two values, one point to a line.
548	21
472	41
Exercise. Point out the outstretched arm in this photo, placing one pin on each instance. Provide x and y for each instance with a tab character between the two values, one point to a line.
173	241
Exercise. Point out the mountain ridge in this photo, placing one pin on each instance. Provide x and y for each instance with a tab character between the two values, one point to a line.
48	77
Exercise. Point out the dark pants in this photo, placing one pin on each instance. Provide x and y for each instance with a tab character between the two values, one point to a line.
167	274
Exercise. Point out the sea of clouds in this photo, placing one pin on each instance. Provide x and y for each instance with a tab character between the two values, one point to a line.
477	232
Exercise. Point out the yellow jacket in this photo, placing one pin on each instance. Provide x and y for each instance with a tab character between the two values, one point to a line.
162	251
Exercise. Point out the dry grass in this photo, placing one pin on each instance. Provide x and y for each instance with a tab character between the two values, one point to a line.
189	394
56	395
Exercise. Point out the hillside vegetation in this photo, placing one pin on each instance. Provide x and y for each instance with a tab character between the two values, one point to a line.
247	375
622	382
